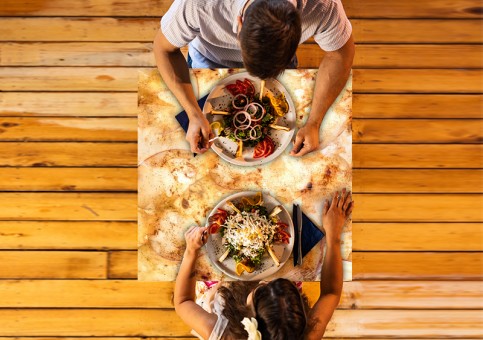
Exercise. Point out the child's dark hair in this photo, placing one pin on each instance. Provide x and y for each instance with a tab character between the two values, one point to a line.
235	296
280	310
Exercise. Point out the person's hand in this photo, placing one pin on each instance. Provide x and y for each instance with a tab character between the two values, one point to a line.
196	238
335	214
307	140
199	133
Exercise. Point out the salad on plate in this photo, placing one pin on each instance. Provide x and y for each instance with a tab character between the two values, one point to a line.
250	116
248	230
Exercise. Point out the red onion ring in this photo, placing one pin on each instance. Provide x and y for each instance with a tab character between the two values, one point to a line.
235	98
254	129
239	123
253	113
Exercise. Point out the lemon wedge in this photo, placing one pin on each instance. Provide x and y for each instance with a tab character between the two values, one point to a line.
240	268
217	127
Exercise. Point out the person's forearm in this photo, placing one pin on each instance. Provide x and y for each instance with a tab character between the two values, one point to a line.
185	281
334	70
331	276
175	73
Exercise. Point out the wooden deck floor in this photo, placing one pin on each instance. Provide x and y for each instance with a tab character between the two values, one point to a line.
68	82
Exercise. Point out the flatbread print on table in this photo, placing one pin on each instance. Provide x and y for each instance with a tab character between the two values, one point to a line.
177	190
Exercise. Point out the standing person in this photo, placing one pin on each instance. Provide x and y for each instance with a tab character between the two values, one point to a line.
262	36
275	310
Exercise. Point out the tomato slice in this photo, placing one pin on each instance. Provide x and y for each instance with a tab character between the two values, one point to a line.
260	149
213	228
250	87
233	89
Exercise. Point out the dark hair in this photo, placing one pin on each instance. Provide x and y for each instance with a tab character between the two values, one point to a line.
235	296
280	310
269	37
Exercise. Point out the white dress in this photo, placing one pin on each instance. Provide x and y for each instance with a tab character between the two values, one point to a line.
208	298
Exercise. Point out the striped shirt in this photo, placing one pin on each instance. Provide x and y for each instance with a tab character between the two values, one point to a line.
210	28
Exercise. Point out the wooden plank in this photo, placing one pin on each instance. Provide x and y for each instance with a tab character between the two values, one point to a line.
354	8
77	54
125	79
148	322
430	236
416	156
415	31
52	265
413	9
79	29
84	8
401	56
411	31
68	79
416	106
309	55
68	179
89	104
417	81
417	181
68	207
417	131
123	265
68	235
134	294
84	322
68	129
68	154
419	266
417	208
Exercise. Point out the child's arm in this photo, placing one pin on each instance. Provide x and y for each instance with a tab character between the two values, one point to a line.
334	217
184	292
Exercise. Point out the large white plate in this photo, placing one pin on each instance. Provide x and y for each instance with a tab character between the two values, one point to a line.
219	98
215	248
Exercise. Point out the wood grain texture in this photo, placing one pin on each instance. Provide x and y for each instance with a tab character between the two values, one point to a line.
84	8
417	156
452	131
309	55
68	129
417	236
77	54
354	8
134	294
52	265
416	106
40	154
68	179
417	181
416	31
420	266
67	235
88	104
417	81
401	56
417	208
68	206
68	79
413	9
147	322
123	265
410	31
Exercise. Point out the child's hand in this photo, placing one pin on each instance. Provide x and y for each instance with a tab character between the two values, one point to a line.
335	214
196	237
